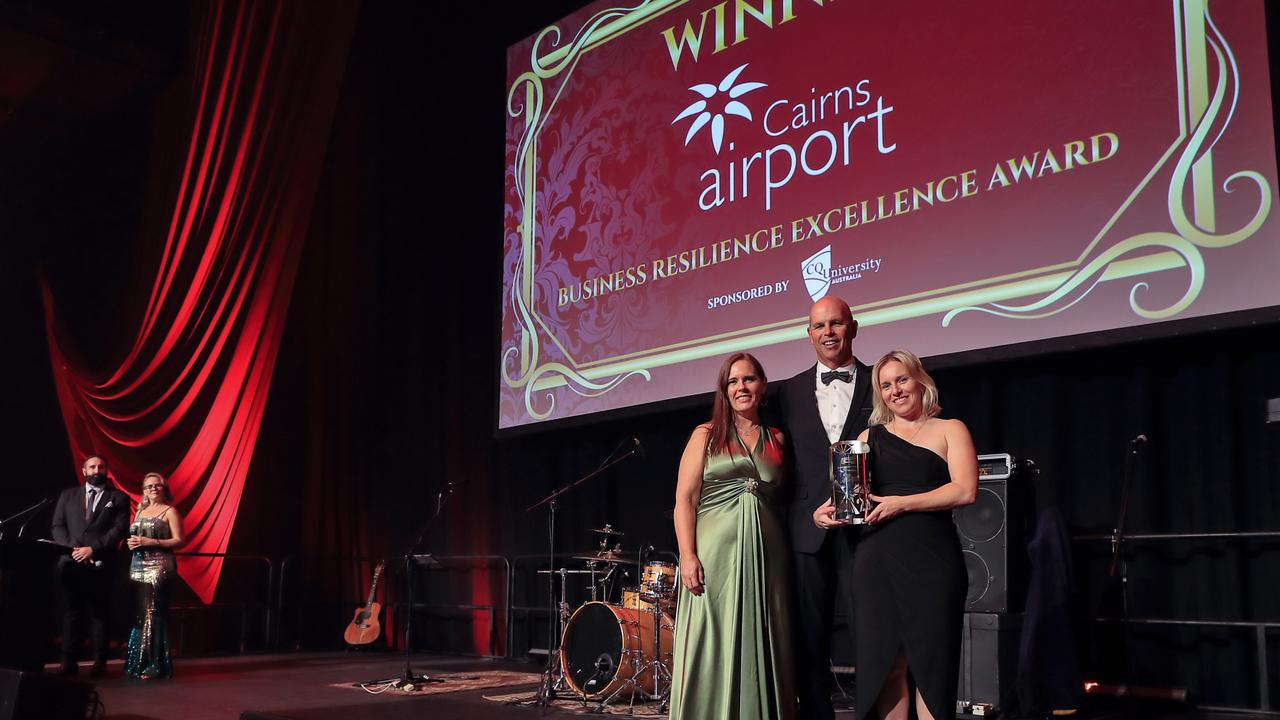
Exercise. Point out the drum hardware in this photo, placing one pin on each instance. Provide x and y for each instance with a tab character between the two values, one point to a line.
604	570
609	558
610	650
657	666
634	599
658	580
547	689
605	583
607	530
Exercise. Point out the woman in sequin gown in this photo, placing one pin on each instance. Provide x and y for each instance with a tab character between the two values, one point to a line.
732	650
155	532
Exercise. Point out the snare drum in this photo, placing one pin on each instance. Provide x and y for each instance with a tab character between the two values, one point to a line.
604	645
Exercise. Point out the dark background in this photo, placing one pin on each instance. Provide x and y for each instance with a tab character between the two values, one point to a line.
387	374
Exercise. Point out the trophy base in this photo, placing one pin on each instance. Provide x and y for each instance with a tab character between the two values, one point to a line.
850	519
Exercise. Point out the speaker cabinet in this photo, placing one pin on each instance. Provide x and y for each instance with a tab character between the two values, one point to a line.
36	696
989	659
993	535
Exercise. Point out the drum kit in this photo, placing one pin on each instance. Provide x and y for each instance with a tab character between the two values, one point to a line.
618	644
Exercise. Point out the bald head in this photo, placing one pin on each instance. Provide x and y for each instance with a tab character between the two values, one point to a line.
832	330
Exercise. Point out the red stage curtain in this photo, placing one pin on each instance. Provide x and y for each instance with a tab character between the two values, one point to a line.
188	397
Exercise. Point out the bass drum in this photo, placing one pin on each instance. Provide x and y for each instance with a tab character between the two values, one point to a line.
604	644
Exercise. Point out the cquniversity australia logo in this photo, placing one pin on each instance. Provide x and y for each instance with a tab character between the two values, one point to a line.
816	271
716	102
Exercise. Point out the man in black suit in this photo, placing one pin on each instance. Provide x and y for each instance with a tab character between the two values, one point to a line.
829	401
92	519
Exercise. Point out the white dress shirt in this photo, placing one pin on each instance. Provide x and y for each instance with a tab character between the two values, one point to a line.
834	399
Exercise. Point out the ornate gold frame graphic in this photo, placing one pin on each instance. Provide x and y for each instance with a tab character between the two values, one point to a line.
1055	287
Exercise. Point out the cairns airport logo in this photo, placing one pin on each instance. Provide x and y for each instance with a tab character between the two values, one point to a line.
829	128
732	106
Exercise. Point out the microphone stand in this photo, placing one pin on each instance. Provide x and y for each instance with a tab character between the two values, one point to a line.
407	679
23	527
547	690
20	513
1119	563
1120	567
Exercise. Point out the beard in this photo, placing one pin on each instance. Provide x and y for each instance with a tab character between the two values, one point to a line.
97	480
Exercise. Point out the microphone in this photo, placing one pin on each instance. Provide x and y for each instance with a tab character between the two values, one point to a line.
1137	443
603	664
636	447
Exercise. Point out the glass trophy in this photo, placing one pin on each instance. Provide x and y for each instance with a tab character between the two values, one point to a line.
851	480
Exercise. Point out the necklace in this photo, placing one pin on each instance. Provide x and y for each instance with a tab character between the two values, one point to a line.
745	429
914	434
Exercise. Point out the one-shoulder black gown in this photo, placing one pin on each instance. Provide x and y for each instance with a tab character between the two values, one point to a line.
911	582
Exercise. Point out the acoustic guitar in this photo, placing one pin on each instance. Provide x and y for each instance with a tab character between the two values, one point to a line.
364	627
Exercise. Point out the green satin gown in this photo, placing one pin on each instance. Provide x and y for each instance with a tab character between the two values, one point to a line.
733	643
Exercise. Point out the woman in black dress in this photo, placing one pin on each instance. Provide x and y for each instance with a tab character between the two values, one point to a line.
908	570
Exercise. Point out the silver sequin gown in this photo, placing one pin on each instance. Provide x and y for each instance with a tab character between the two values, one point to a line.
153	569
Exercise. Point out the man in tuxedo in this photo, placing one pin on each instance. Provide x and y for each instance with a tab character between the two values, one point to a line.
829	401
92	519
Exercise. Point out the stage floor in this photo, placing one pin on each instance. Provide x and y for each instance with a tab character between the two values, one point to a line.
316	686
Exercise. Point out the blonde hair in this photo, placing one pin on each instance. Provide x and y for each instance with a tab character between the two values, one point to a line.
880	412
146	501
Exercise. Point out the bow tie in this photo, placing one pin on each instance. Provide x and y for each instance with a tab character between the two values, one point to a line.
841	375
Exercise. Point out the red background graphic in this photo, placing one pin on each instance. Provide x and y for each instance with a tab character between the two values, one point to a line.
618	188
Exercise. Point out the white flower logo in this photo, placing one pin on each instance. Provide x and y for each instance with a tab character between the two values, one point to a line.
732	107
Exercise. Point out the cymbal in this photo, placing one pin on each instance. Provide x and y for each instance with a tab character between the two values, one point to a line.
607	530
606	558
567	571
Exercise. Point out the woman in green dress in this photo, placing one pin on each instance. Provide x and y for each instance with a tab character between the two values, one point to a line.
155	532
732	656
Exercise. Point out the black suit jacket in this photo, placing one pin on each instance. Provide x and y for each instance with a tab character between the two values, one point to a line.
809	448
102	531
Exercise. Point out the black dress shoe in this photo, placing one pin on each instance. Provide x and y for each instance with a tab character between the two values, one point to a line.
68	669
99	669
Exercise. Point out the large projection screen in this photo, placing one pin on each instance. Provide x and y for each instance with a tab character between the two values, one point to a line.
685	178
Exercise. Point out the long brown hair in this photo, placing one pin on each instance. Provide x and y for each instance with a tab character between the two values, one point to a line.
721	410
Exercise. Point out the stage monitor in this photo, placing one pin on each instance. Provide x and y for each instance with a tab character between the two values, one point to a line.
684	179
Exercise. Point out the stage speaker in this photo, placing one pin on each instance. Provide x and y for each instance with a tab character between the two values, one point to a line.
37	696
989	659
993	535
